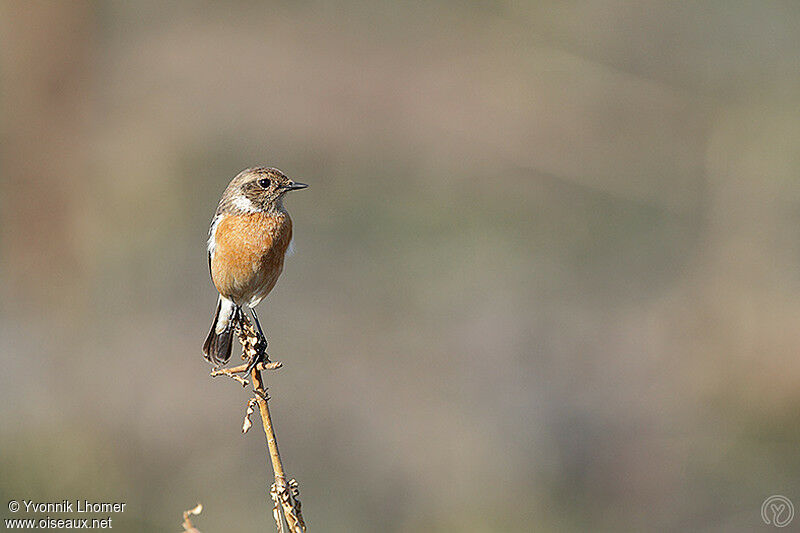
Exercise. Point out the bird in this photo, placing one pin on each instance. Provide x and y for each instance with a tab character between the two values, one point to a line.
247	242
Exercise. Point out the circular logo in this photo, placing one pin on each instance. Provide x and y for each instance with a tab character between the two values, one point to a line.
777	510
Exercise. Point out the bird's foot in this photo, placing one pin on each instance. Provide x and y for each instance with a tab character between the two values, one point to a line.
254	352
258	354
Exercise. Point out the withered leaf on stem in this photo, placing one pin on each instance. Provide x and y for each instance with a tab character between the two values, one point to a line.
247	423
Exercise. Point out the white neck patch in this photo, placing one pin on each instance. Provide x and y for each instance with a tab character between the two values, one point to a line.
243	203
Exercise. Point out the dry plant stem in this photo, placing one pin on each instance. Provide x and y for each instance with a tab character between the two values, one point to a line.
266	419
269	365
226	372
241	369
188	526
187	521
285	495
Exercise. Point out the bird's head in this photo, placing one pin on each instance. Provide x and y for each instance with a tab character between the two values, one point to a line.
259	189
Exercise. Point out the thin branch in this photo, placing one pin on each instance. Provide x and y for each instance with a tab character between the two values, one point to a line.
268	365
229	373
187	520
285	495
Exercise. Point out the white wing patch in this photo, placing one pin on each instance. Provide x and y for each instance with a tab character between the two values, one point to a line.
212	235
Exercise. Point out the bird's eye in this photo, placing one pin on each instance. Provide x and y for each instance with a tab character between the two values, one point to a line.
265	183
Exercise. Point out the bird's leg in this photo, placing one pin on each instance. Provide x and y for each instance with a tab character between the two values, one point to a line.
261	346
258	324
254	349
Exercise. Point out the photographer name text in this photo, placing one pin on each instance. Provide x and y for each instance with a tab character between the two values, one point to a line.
76	506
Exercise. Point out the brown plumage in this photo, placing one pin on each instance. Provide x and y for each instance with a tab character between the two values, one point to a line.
247	243
249	254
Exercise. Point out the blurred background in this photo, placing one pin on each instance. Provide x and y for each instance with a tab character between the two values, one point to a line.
547	273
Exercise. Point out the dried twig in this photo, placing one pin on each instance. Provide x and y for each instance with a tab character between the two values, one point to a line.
231	374
241	369
268	365
187	521
285	495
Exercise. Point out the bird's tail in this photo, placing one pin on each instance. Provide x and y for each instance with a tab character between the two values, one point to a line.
218	345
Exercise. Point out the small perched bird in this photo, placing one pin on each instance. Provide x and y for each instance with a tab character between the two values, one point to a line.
247	242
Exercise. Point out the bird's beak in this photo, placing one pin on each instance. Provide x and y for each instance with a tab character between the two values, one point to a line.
295	186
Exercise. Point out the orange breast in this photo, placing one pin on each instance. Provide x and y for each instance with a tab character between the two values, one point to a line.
248	254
